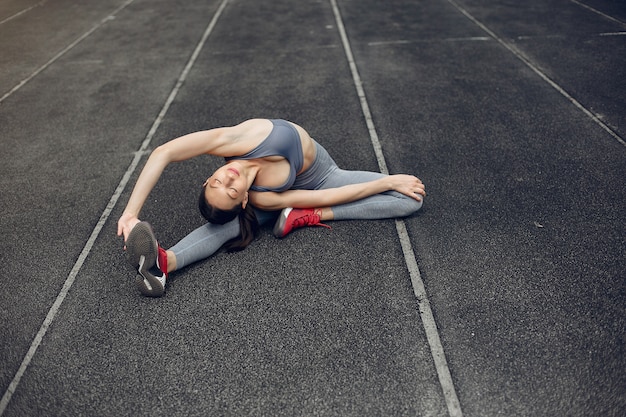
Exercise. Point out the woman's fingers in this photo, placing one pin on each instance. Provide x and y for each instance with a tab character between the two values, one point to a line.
410	186
125	224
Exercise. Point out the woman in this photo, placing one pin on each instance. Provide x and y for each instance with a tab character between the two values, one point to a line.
271	165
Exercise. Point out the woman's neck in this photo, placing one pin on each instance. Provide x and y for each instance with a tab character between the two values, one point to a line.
251	168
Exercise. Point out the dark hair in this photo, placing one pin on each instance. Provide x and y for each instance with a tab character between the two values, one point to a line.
248	222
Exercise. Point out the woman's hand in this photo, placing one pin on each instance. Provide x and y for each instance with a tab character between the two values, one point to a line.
408	185
125	224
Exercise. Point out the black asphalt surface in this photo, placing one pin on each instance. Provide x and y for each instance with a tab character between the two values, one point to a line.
512	113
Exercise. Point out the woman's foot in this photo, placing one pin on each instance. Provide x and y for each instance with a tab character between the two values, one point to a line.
293	218
142	252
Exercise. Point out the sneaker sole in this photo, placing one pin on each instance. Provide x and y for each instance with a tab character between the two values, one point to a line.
141	252
279	227
149	285
141	242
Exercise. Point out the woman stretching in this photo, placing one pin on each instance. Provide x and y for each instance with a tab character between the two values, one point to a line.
274	171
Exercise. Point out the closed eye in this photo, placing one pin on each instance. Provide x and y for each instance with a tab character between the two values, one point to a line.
232	192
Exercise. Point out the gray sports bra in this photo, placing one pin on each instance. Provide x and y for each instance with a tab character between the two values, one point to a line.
284	141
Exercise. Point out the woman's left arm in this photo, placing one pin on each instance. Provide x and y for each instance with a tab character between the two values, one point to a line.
406	184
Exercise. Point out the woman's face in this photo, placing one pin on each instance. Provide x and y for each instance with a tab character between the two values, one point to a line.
227	188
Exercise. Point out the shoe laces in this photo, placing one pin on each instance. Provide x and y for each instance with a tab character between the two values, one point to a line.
311	218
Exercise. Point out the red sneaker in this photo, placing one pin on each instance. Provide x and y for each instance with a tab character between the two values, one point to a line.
292	218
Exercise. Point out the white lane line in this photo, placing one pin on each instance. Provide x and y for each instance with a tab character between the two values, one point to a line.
591	35
428	321
105	215
22	12
537	71
612	34
407	41
64	51
598	12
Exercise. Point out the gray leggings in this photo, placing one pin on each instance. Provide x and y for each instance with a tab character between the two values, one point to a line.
323	173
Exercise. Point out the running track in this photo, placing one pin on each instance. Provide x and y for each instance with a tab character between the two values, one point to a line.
504	296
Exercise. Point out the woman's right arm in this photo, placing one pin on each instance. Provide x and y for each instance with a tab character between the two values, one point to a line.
148	178
214	141
223	141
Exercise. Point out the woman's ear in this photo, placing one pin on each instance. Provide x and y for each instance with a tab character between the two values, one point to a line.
206	182
244	203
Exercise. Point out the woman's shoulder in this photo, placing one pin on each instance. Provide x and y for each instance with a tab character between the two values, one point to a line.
258	129
245	136
250	130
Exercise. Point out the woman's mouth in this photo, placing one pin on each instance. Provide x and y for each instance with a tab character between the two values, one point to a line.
233	170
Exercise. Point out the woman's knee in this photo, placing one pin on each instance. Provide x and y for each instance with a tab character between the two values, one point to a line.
410	206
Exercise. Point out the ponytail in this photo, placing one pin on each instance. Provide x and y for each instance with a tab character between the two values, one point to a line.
249	226
248	223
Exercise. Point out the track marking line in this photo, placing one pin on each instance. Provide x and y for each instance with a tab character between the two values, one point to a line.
561	37
428	320
598	12
18	14
422	41
612	34
81	38
105	215
537	71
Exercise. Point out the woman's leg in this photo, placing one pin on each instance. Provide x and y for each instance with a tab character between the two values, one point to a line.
208	239
386	205
324	173
202	243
